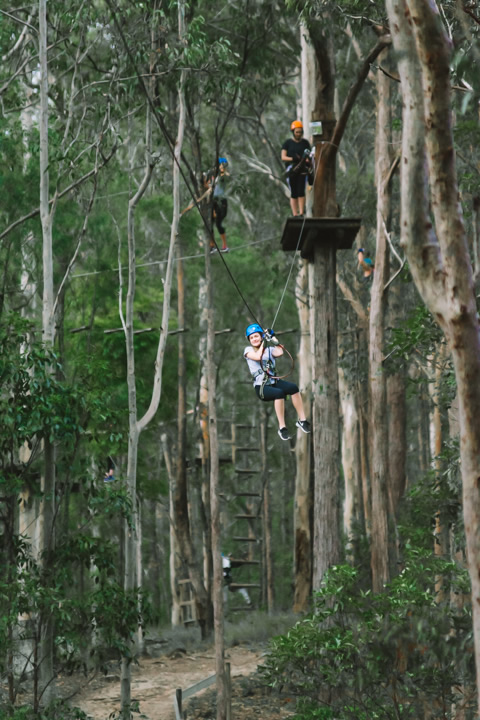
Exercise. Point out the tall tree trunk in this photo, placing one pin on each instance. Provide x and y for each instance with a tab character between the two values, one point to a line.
397	409
327	543
303	480
217	594
47	507
441	534
351	463
137	425
326	441
175	557
439	257
378	306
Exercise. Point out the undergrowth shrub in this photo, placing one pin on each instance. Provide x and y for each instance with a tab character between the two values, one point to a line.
397	654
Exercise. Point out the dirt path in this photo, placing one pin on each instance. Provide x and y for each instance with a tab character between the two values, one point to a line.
155	680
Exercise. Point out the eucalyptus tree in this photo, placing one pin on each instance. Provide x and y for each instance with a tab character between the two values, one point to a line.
438	253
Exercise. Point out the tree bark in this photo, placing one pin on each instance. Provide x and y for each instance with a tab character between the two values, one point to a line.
326	537
378	428
396	403
351	463
47	507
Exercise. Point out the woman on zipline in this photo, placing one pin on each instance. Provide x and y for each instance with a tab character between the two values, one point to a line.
261	363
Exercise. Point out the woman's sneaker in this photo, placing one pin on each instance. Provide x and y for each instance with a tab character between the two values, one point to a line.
303	425
283	432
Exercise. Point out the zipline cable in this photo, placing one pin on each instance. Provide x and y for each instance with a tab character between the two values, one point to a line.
160	121
294	257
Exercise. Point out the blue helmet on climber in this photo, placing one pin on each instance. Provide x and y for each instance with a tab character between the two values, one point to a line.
254	328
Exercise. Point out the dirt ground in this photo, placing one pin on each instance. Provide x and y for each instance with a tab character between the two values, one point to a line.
155	680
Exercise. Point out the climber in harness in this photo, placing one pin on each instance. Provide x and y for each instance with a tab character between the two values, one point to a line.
366	263
298	159
220	204
260	358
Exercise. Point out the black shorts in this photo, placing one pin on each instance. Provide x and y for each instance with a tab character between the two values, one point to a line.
279	391
296	183
220	209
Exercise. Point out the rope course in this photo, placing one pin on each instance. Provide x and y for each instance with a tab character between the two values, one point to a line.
161	124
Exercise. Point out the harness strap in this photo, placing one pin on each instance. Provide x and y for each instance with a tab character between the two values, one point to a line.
266	376
261	392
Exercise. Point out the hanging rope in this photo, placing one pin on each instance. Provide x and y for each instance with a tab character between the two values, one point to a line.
293	259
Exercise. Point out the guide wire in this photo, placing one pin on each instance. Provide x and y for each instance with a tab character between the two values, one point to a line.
294	255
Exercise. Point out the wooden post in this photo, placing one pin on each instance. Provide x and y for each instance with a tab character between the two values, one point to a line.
178	709
326	442
228	680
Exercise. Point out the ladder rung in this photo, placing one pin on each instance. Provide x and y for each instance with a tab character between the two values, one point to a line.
241	425
247	494
235	562
237	586
242	471
247	449
245	539
247	517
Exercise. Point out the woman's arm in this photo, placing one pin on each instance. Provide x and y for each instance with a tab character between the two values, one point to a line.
253	354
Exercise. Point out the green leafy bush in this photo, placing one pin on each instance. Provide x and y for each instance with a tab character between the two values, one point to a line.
390	655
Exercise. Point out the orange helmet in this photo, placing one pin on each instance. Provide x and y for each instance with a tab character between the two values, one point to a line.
296	124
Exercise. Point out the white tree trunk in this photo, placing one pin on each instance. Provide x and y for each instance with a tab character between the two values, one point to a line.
378	427
47	506
137	425
352	504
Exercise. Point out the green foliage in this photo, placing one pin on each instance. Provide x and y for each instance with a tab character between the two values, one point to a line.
419	334
56	711
33	403
360	655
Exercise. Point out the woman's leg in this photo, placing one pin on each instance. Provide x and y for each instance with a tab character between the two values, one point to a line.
298	405
279	406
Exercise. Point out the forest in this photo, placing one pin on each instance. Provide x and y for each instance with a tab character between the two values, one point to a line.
136	459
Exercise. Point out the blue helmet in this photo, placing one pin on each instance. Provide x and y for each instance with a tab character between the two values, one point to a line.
222	161
254	328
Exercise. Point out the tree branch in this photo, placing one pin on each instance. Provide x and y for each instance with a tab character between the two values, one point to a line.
61	194
354	91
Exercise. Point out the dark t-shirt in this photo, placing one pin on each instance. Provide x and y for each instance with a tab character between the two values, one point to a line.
295	149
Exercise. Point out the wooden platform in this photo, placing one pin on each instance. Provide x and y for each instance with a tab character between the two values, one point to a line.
308	233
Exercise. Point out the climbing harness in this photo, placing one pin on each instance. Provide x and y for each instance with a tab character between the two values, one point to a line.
305	166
